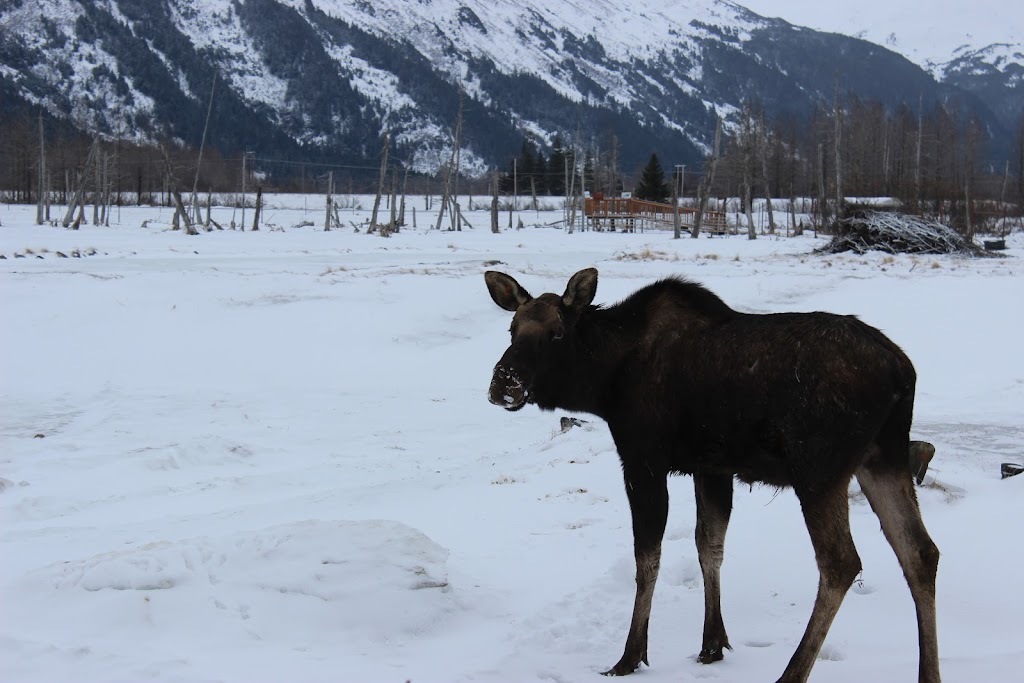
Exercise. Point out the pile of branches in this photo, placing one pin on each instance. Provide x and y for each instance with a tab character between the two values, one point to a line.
863	230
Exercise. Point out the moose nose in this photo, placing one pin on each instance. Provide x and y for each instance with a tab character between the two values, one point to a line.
507	390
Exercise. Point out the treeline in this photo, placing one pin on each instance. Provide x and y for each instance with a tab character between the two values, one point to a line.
43	153
931	161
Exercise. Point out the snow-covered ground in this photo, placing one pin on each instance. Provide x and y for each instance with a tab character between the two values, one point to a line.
269	456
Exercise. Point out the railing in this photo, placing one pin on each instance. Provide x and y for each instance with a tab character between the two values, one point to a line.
627	209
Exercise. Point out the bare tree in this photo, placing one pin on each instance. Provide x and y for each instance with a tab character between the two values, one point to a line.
837	140
202	144
704	190
328	200
179	208
258	209
763	146
380	184
80	186
494	204
42	171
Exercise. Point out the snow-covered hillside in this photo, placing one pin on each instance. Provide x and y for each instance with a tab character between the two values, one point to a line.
269	456
929	34
307	77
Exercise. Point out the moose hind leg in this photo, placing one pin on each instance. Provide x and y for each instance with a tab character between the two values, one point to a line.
714	507
827	515
648	503
892	497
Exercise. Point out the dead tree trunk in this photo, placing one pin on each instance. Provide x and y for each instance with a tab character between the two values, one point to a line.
241	223
179	208
494	204
181	213
107	189
401	204
42	171
707	182
917	164
822	199
456	209
838	145
444	191
202	144
380	185
258	209
97	192
393	201
763	146
80	189
329	201
571	196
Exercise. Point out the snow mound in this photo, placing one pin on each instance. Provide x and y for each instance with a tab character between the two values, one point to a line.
379	580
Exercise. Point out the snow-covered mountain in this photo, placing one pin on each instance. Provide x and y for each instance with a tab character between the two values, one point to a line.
323	78
995	73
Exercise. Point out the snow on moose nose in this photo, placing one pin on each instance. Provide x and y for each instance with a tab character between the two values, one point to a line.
507	390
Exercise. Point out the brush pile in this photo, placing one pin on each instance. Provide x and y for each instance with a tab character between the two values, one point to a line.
865	230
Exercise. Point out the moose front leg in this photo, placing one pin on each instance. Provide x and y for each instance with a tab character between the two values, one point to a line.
714	506
648	503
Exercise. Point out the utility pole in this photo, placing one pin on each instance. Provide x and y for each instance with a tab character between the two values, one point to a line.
515	185
675	204
244	155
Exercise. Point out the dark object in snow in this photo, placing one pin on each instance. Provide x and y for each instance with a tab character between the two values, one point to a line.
921	453
39	436
687	385
863	230
570	422
1009	469
995	245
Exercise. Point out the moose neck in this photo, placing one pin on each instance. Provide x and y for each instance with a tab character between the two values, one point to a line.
599	347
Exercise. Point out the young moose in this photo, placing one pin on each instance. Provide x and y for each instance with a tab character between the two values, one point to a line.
688	385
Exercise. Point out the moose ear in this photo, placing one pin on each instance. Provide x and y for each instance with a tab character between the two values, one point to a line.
505	291
580	291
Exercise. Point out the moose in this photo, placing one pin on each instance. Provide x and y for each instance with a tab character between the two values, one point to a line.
687	385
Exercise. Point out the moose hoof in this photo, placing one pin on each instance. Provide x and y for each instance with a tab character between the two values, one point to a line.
710	655
626	666
621	670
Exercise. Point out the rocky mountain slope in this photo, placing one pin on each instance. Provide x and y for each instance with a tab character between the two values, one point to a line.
321	79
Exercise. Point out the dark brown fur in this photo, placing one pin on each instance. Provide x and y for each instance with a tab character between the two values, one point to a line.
687	385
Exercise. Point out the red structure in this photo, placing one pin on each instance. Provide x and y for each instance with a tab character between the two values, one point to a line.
626	213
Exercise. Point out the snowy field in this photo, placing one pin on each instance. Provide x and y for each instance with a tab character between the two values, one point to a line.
270	457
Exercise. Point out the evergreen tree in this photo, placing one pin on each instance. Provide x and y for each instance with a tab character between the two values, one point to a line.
556	168
540	173
652	185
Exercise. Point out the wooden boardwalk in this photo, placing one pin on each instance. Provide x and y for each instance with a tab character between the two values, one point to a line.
624	214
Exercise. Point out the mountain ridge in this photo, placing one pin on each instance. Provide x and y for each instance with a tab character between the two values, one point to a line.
325	78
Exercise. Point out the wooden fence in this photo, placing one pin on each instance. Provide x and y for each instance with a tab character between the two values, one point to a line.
626	214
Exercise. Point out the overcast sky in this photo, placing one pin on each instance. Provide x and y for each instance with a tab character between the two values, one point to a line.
923	29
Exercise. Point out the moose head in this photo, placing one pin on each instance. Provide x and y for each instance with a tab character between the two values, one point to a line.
543	331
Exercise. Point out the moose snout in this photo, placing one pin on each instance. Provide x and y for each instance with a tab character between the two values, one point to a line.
507	390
